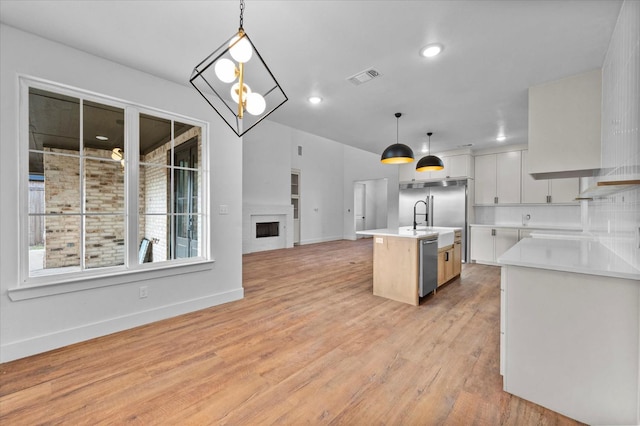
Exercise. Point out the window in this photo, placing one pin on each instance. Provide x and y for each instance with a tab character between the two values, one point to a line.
110	186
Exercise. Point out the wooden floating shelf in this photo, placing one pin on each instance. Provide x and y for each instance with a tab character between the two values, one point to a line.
607	187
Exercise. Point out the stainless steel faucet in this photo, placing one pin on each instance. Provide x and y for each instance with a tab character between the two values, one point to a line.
426	213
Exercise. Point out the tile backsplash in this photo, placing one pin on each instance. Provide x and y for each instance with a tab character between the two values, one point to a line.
567	216
616	218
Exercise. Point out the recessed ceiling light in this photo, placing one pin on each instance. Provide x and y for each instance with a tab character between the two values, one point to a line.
315	99
431	50
501	138
102	138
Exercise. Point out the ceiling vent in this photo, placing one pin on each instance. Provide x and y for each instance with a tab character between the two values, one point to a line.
364	76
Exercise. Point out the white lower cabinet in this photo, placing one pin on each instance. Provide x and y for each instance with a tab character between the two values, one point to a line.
488	244
569	342
503	318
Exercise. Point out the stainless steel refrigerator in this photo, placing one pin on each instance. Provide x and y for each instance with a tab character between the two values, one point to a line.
445	204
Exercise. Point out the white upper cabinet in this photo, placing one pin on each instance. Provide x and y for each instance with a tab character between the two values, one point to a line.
544	191
407	172
533	191
564	126
564	190
455	166
498	178
459	166
485	192
508	177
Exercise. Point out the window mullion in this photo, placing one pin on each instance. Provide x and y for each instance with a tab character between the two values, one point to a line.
82	177
172	193
132	186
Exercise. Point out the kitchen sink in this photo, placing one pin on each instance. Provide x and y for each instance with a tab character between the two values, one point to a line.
445	238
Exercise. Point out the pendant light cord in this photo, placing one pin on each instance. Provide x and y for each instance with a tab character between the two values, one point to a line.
429	134
241	13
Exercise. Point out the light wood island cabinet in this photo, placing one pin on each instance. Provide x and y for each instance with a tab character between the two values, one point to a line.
396	266
450	260
396	263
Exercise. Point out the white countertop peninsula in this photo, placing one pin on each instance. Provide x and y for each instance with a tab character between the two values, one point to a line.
570	328
409	232
583	256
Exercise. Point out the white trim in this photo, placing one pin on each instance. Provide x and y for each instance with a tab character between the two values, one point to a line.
58	339
88	282
132	113
321	240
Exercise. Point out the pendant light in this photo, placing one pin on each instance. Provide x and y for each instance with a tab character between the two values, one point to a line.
397	153
237	83
429	163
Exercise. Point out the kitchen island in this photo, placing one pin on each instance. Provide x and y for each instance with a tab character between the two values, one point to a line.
397	264
570	327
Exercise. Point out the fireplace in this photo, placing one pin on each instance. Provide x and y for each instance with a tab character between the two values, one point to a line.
267	229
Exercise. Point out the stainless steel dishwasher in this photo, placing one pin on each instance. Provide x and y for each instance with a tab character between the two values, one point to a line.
428	265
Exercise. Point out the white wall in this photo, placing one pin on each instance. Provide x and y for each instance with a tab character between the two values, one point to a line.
38	324
616	218
266	153
328	170
361	165
375	203
321	183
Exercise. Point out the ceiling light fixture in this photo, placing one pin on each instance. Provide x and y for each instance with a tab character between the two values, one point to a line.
315	99
102	138
430	163
118	154
222	77
397	153
501	138
431	50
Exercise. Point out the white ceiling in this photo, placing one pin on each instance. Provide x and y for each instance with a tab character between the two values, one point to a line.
494	50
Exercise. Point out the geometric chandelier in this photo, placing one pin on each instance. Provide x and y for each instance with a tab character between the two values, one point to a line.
237	84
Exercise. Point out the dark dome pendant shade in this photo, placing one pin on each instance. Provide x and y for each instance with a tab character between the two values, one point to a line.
397	153
429	163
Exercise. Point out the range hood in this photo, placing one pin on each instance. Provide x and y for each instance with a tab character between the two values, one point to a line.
432	183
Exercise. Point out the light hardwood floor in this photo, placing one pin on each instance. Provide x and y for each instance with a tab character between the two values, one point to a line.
309	344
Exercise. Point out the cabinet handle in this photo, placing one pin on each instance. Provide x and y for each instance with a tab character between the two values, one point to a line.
548	198
493	232
446	256
495	200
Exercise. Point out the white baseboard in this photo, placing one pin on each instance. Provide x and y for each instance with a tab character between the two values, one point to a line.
44	343
321	240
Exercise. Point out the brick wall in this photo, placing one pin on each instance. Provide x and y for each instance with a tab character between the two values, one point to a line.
104	195
157	195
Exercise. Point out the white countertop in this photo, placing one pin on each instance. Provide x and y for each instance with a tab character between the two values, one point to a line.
408	232
579	256
530	226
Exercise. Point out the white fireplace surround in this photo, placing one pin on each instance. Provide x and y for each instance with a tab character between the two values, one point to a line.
257	213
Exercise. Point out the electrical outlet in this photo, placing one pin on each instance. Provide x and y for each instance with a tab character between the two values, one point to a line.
144	292
224	209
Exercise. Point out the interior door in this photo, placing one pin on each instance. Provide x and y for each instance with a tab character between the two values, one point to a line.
359	206
185	201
